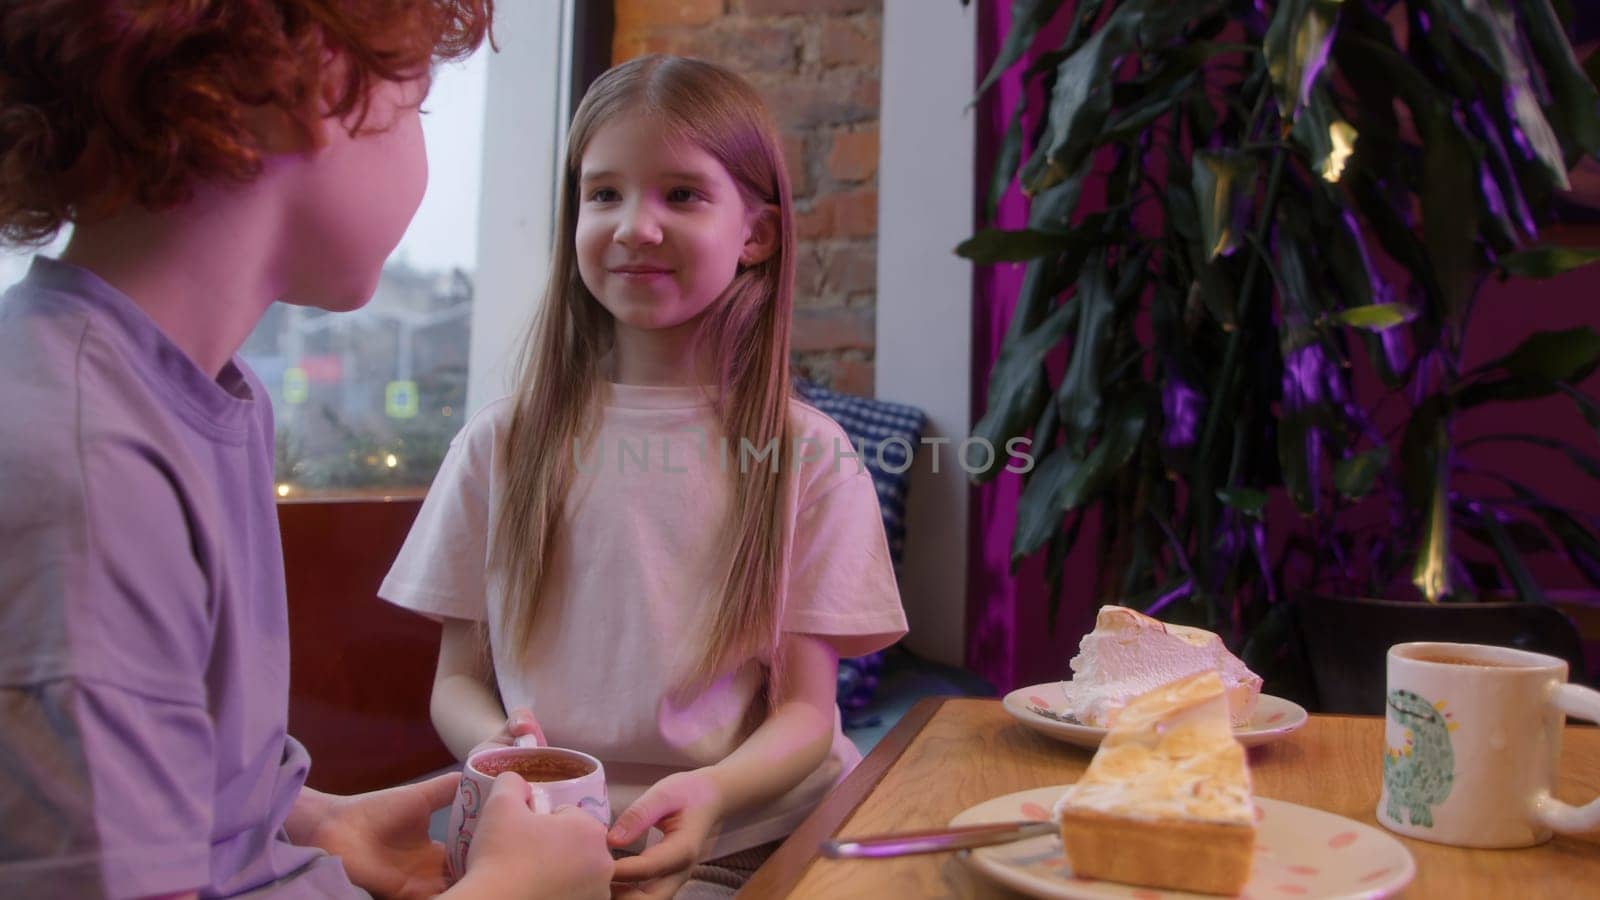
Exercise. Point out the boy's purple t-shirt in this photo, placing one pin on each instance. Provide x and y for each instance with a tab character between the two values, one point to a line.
144	658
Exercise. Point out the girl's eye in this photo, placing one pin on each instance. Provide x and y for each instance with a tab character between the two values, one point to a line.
604	195
682	195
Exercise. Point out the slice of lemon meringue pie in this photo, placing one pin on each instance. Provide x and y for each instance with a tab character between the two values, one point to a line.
1166	800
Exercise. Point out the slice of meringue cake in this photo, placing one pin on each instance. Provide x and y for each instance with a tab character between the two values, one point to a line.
1166	800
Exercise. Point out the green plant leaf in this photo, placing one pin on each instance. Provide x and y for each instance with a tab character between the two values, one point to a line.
1431	574
1294	459
1548	261
1328	139
1250	501
1550	356
1586	405
1397	237
1080	99
1222	184
1450	186
1302	301
1006	162
1577	540
1038	510
1079	103
1589	464
1527	589
1027	18
1495	36
1576	104
1078	396
1376	318
1124	425
1018	388
1418	462
1355	476
993	245
1296	47
1051	210
1061	544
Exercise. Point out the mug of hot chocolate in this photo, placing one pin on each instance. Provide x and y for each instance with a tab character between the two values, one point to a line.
559	777
1473	745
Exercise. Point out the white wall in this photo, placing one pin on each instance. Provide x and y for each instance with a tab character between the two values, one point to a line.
924	317
525	119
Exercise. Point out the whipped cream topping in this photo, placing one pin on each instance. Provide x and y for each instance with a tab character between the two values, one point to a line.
1171	755
1130	653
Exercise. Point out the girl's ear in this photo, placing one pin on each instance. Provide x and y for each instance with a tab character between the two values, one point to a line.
763	238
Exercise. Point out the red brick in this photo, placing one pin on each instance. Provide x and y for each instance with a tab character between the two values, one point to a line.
638	14
828	273
800	104
832	329
794	156
842	214
855	214
854	155
642	43
846	43
750	49
790	7
851	267
814	220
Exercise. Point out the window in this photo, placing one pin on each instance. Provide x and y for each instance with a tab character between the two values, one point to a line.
368	401
14	263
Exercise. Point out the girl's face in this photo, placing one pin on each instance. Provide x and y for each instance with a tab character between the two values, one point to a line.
662	226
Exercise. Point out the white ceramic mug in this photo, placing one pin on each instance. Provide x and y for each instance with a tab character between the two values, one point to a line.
1472	741
583	785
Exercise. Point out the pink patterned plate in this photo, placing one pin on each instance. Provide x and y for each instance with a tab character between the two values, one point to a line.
1301	854
1042	707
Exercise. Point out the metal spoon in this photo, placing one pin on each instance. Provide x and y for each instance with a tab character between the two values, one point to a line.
935	840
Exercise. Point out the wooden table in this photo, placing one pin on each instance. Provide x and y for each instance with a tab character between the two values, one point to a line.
949	754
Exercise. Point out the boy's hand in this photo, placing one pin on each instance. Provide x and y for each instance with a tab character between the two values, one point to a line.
518	853
686	806
520	722
382	839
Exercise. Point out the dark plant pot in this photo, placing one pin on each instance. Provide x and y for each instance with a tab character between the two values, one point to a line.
1346	641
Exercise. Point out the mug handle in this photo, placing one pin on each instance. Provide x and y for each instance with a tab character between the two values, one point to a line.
1584	703
541	800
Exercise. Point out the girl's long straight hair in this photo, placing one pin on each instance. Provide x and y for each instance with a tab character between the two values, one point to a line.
559	382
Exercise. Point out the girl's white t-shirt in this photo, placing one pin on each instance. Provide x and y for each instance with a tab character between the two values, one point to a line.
634	583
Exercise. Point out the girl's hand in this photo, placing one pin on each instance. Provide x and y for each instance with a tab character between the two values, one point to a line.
687	807
517	853
518	723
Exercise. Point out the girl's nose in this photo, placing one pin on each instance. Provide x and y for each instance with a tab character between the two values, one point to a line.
637	227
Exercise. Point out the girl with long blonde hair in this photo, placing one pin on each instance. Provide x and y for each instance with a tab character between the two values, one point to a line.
663	550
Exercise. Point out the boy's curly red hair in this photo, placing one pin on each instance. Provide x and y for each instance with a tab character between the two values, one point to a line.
106	102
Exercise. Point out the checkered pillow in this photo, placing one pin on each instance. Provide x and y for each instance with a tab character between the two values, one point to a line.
886	436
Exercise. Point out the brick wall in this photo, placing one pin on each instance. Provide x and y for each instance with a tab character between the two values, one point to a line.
817	62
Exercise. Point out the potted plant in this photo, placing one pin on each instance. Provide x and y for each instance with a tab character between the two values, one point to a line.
1256	240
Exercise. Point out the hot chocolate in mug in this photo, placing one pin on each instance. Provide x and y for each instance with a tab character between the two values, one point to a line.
1472	740
558	777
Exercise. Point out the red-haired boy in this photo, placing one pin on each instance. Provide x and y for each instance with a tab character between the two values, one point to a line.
213	157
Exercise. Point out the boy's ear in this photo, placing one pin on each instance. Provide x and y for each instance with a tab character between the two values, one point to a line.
764	236
278	130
